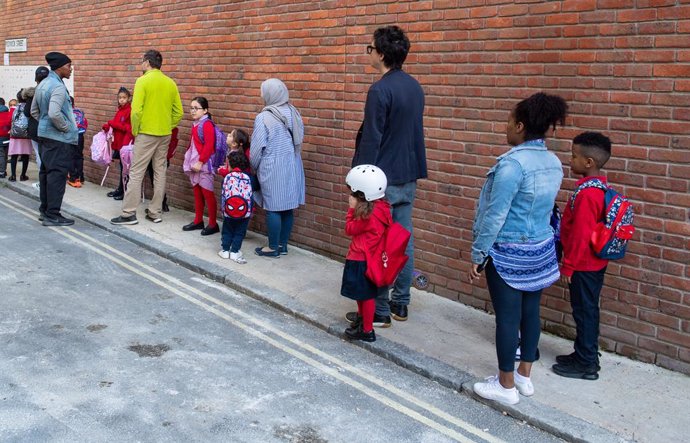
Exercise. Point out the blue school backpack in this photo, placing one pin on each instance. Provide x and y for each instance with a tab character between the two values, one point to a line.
221	148
611	235
236	195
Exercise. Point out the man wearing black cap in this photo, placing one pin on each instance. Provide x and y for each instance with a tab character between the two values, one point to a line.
57	137
41	74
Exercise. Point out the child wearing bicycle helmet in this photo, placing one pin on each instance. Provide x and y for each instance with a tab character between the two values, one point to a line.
367	217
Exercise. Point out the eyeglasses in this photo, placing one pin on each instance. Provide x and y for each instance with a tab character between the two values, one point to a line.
370	49
194	108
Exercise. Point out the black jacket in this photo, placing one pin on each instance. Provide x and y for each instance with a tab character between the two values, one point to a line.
392	133
33	123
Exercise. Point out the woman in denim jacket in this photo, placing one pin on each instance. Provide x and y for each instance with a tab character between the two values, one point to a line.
514	242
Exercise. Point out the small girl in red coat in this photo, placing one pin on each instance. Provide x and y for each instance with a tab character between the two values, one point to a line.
122	134
197	166
366	221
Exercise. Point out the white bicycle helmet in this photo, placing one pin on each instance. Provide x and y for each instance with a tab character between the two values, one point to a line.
368	179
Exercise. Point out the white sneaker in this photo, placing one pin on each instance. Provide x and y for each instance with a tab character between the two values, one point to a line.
491	389
238	257
523	384
224	254
37	185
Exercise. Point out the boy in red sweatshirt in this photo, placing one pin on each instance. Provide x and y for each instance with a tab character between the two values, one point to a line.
581	269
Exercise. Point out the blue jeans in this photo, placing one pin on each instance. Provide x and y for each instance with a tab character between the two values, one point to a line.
585	287
232	236
401	198
516	310
279	225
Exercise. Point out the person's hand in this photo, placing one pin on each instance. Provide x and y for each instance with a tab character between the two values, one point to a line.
352	202
473	274
223	171
196	167
565	280
106	127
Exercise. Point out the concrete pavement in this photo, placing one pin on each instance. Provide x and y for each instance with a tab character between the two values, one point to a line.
443	340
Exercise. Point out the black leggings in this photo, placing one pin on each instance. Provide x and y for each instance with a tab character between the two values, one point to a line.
13	164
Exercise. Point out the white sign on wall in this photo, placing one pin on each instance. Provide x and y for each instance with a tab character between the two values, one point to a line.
16	45
14	78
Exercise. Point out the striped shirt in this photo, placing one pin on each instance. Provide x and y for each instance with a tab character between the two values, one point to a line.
530	266
278	164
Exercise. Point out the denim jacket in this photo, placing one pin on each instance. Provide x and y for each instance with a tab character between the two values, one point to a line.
53	110
517	199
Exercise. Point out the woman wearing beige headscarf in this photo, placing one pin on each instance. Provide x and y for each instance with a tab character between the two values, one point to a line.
275	155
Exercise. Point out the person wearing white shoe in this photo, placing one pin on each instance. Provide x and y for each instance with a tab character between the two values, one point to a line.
492	389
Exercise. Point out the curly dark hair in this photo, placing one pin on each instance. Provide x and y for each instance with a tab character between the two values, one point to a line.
393	44
538	112
237	159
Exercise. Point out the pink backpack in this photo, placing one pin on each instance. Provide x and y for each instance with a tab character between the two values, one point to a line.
100	147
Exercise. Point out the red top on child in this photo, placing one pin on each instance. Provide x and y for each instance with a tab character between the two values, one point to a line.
122	127
206	149
577	226
366	233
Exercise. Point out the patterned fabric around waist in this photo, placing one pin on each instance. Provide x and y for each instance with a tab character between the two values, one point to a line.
526	266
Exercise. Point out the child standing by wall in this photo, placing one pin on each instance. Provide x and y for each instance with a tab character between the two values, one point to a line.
197	166
20	143
122	134
236	198
76	174
5	125
581	270
367	217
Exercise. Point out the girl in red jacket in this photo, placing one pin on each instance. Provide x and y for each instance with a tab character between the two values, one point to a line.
122	134
197	166
366	221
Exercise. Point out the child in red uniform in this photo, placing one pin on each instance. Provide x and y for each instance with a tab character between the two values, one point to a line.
122	134
366	221
197	166
581	269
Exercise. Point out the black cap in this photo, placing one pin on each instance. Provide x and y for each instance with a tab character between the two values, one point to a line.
57	60
41	73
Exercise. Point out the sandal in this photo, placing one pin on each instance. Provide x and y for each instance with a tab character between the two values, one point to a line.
270	253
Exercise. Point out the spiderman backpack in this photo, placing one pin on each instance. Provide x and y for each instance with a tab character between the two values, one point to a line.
610	236
236	195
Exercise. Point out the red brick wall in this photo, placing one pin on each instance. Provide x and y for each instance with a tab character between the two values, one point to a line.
622	65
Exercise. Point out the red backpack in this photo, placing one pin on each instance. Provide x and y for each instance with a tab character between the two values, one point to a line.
387	258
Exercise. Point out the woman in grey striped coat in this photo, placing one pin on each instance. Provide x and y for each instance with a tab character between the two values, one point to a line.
275	155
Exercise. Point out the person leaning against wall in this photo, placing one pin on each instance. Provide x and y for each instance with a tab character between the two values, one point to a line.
392	138
57	135
156	110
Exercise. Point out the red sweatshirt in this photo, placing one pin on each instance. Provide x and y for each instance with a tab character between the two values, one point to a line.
366	233
206	149
122	127
577	225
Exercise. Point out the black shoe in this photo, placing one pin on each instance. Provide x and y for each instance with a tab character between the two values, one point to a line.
152	218
283	249
382	321
260	252
570	358
112	194
193	226
57	221
41	215
354	319
165	207
12	178
210	230
23	178
576	370
131	220
3	174
398	311
358	334
118	197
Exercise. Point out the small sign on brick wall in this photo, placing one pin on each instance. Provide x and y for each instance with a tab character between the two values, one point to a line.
16	45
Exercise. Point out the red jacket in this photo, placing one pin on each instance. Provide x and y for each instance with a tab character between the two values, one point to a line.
206	149
5	124
122	127
366	233
577	226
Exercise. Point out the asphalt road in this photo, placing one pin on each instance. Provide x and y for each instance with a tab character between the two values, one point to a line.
101	340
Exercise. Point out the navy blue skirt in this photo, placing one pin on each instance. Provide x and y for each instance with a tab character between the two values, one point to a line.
355	284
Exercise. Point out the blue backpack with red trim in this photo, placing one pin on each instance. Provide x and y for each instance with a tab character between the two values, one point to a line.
611	235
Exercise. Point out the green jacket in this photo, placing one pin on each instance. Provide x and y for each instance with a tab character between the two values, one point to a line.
156	105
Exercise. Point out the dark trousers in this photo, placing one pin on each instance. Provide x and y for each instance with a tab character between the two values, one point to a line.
56	159
585	288
13	163
4	146
234	230
77	169
516	310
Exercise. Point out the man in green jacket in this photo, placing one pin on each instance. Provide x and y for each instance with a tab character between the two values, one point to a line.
156	110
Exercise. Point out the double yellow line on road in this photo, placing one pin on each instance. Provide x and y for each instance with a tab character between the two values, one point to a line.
299	350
